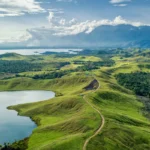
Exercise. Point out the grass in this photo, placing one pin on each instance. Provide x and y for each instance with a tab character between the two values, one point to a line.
64	117
66	121
125	127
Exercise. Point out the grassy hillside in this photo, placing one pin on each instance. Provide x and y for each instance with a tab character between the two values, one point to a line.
125	127
66	121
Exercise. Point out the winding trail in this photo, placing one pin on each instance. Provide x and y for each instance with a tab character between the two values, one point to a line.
102	119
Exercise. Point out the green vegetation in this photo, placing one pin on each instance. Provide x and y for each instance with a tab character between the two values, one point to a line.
20	145
139	82
17	66
66	121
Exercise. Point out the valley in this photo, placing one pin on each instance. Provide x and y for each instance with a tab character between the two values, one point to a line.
97	104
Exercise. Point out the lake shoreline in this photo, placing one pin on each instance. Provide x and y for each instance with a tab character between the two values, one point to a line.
34	122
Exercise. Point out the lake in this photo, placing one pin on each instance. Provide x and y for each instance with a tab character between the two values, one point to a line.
12	126
37	51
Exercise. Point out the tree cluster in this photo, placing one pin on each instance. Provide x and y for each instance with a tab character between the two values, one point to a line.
139	82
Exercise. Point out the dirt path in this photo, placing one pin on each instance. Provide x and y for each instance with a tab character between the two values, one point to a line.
102	119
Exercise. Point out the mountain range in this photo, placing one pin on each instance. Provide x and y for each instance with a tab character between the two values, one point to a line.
103	36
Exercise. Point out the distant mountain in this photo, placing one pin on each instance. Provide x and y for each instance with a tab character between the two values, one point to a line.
141	44
121	35
102	36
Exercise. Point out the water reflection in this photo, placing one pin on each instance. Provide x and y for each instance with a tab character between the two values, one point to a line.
13	127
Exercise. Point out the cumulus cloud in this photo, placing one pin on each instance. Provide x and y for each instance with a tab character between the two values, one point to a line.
73	21
51	17
62	22
63	27
19	7
54	17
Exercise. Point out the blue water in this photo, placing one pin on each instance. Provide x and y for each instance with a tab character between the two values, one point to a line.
12	126
37	51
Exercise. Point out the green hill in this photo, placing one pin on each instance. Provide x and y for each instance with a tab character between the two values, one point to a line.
68	120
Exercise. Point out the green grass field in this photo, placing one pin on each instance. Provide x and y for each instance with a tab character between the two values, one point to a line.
66	121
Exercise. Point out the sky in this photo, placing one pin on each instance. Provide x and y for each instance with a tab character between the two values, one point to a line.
26	22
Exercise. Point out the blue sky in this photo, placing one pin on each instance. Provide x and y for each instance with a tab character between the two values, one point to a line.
21	20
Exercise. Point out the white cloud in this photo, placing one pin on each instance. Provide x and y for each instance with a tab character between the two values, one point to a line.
19	7
51	17
73	21
72	27
55	20
16	39
120	5
62	22
56	11
119	1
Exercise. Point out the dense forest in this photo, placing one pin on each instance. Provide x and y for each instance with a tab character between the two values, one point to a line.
141	66
139	82
106	62
19	66
88	66
51	75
